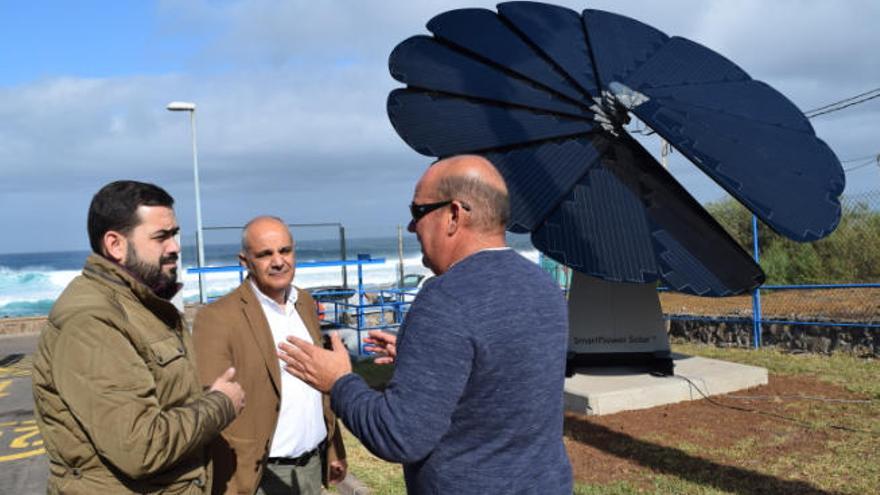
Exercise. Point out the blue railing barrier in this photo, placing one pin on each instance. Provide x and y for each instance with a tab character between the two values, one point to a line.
302	264
562	275
347	316
820	286
758	321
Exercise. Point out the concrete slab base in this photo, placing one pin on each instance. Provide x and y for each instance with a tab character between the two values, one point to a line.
608	390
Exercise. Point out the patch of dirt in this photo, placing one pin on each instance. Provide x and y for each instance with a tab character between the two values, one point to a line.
844	305
728	444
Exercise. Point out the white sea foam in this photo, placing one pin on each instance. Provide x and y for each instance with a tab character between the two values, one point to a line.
307	277
32	289
32	284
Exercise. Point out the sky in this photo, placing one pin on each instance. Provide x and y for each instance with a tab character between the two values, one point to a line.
291	96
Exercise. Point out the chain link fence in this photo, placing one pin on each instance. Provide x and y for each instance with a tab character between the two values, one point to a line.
833	281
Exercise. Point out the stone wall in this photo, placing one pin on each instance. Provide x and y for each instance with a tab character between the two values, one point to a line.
862	341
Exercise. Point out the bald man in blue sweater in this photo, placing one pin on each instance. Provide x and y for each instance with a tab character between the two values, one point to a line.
476	403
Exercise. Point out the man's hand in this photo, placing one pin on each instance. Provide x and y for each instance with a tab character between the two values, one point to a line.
230	389
318	367
383	344
338	468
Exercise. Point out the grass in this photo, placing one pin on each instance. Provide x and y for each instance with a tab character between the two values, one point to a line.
858	375
838	462
826	459
381	477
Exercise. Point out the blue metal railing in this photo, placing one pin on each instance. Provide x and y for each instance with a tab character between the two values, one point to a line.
756	318
760	320
344	312
756	296
821	286
304	264
757	314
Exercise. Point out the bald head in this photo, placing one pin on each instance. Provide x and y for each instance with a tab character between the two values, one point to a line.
459	207
258	225
267	253
475	182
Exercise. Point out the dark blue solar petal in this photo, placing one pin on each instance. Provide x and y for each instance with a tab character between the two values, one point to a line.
539	176
790	179
482	33
585	232
439	125
689	275
628	220
424	62
619	44
558	33
682	62
750	99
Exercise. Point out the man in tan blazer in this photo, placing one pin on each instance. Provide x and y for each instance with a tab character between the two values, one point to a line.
287	439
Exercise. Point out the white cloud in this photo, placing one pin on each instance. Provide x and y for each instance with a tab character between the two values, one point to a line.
291	103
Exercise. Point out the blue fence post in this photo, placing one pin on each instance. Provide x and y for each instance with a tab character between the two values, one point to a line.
361	321
756	295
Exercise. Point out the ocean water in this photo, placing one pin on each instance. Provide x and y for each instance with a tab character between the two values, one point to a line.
30	282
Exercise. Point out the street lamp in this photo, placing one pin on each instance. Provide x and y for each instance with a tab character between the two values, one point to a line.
183	106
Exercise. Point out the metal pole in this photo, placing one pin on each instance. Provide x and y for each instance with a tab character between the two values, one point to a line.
200	240
342	256
756	296
400	256
361	320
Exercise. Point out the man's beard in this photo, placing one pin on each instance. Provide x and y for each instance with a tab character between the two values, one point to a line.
162	284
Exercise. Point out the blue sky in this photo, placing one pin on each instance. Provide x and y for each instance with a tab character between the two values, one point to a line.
96	39
291	101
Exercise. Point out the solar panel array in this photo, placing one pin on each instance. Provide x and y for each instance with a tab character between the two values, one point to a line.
545	92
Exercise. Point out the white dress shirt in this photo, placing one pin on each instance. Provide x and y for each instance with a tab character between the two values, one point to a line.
301	418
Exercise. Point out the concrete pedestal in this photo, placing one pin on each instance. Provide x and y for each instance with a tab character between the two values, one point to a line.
607	390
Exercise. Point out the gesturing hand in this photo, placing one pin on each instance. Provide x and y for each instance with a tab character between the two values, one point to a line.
318	367
384	344
230	388
338	468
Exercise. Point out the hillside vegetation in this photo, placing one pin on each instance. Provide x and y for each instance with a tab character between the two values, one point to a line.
849	254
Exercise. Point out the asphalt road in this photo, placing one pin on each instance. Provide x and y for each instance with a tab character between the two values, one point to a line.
23	464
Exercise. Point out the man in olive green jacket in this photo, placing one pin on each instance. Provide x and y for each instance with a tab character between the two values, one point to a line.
116	394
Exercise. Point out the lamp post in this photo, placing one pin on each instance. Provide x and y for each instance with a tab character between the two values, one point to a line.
183	106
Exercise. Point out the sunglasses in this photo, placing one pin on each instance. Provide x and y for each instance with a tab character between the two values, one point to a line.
418	211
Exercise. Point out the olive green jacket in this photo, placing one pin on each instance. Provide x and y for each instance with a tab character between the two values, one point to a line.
116	394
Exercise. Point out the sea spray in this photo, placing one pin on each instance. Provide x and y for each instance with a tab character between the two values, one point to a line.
30	282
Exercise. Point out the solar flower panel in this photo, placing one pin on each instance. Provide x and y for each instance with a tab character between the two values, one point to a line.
545	93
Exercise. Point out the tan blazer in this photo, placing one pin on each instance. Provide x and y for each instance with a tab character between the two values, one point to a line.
233	331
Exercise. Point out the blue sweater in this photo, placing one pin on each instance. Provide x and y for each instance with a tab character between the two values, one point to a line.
475	404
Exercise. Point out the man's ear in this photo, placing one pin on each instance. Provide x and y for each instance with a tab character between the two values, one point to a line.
455	219
115	246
